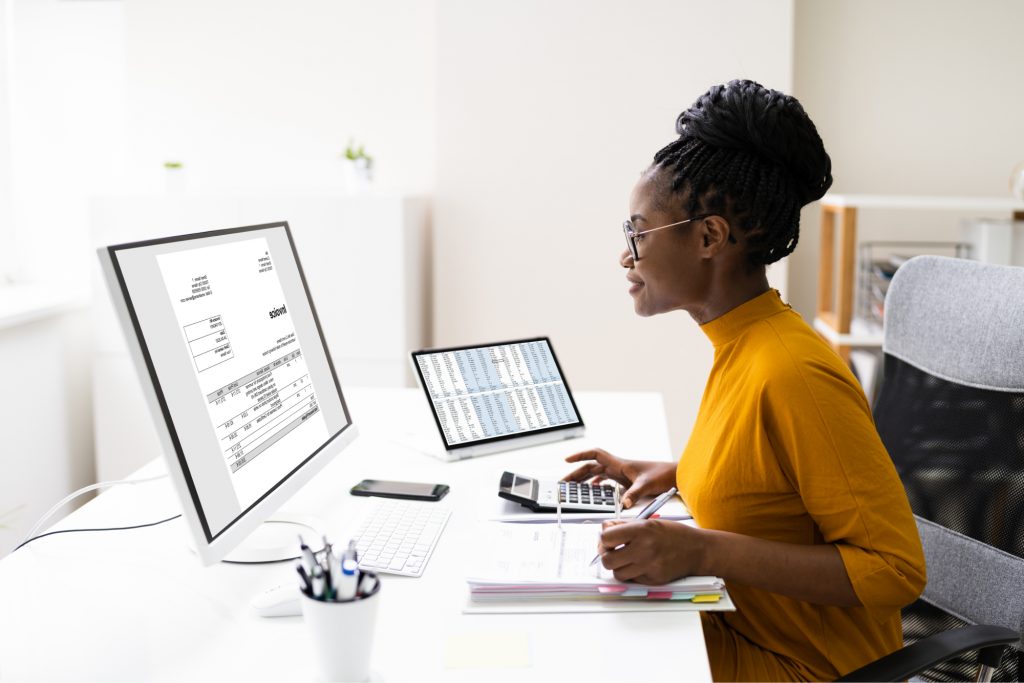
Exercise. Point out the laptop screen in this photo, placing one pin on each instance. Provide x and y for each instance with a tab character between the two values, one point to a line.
481	394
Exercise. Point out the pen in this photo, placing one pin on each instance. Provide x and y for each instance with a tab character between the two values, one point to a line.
305	585
331	576
651	508
308	560
618	500
366	584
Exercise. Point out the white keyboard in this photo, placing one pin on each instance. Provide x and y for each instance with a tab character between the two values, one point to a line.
398	536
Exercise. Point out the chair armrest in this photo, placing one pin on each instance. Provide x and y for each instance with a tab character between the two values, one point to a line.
924	654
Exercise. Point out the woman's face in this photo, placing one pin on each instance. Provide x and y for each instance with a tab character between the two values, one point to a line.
670	273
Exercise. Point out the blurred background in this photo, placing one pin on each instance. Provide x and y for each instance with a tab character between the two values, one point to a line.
505	138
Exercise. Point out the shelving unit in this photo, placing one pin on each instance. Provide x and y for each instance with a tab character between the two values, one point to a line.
834	316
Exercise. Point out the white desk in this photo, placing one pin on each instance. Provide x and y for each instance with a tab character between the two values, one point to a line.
137	605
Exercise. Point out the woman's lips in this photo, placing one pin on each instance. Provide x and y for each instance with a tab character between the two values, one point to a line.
635	285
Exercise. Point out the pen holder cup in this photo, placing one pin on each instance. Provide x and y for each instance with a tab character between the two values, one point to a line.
342	634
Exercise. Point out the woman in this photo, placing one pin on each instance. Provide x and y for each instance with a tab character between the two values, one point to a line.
799	506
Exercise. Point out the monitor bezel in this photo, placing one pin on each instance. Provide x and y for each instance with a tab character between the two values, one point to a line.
212	547
505	437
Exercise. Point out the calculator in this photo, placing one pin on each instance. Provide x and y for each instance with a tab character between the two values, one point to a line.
543	495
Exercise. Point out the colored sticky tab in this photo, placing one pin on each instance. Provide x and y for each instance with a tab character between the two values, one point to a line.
611	589
659	595
710	597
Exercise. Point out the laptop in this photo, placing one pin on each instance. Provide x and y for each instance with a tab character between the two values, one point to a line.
496	397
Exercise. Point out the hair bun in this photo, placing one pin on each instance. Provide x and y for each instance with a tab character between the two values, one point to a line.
745	116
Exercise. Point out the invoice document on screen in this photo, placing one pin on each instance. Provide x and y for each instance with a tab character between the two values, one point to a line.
247	359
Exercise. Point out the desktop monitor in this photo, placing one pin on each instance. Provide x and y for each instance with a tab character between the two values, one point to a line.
238	378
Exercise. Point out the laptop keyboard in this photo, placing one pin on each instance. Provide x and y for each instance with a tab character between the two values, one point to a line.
398	536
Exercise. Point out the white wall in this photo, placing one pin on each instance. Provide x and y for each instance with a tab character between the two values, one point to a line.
547	112
66	62
45	419
6	206
911	97
266	93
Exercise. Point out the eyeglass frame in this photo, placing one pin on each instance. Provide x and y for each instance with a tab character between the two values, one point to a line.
631	233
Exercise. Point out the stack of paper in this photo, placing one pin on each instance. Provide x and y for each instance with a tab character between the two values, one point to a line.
543	562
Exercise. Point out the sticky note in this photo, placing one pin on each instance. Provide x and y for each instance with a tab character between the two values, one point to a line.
487	650
711	597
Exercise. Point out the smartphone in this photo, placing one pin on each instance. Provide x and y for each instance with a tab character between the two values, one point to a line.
408	490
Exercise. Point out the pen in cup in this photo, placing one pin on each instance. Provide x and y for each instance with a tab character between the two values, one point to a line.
651	508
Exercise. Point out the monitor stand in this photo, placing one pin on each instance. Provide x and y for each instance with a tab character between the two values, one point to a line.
277	540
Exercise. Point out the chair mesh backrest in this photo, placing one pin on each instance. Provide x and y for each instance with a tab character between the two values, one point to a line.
951	414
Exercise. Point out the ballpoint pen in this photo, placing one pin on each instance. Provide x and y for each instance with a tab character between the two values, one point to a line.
331	572
651	508
308	559
306	586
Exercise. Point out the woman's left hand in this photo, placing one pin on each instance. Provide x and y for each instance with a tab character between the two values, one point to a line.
655	551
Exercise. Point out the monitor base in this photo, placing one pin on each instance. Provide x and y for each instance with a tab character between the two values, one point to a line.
277	540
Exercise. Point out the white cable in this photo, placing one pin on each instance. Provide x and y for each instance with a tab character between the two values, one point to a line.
85	489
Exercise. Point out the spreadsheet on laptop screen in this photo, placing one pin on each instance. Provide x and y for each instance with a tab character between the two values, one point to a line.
488	392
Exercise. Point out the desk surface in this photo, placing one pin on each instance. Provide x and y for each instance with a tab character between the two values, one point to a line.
137	605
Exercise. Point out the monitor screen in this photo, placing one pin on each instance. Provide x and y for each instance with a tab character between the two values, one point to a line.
237	361
482	394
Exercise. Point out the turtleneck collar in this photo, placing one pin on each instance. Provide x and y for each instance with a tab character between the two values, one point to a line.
731	324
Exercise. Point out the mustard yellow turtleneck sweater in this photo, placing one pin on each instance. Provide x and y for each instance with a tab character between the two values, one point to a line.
784	448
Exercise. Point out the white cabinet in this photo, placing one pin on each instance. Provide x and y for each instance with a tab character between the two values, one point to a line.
367	264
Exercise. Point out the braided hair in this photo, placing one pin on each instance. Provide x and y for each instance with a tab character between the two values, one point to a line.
753	152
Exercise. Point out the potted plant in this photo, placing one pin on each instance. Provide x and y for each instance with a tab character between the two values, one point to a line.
358	167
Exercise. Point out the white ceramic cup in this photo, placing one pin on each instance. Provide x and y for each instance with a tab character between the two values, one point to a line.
342	634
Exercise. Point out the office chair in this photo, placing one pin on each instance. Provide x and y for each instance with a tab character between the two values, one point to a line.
951	413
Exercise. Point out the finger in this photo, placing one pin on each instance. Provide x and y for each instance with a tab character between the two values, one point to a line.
581	473
634	493
647	580
630	572
624	532
608	523
597	454
596	480
617	559
582	455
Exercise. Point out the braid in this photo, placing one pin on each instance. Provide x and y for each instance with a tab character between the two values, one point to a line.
753	152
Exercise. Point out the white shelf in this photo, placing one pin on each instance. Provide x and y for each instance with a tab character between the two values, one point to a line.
21	304
861	339
943	203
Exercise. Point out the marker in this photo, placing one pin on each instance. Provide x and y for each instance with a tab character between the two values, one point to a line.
651	508
318	583
347	581
352	553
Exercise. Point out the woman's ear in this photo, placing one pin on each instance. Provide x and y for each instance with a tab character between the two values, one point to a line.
714	235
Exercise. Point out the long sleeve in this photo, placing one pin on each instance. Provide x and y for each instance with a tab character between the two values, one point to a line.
828	446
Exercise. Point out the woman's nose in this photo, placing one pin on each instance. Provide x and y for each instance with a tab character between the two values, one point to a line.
626	259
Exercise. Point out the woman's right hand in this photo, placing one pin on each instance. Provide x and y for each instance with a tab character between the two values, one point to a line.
640	477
